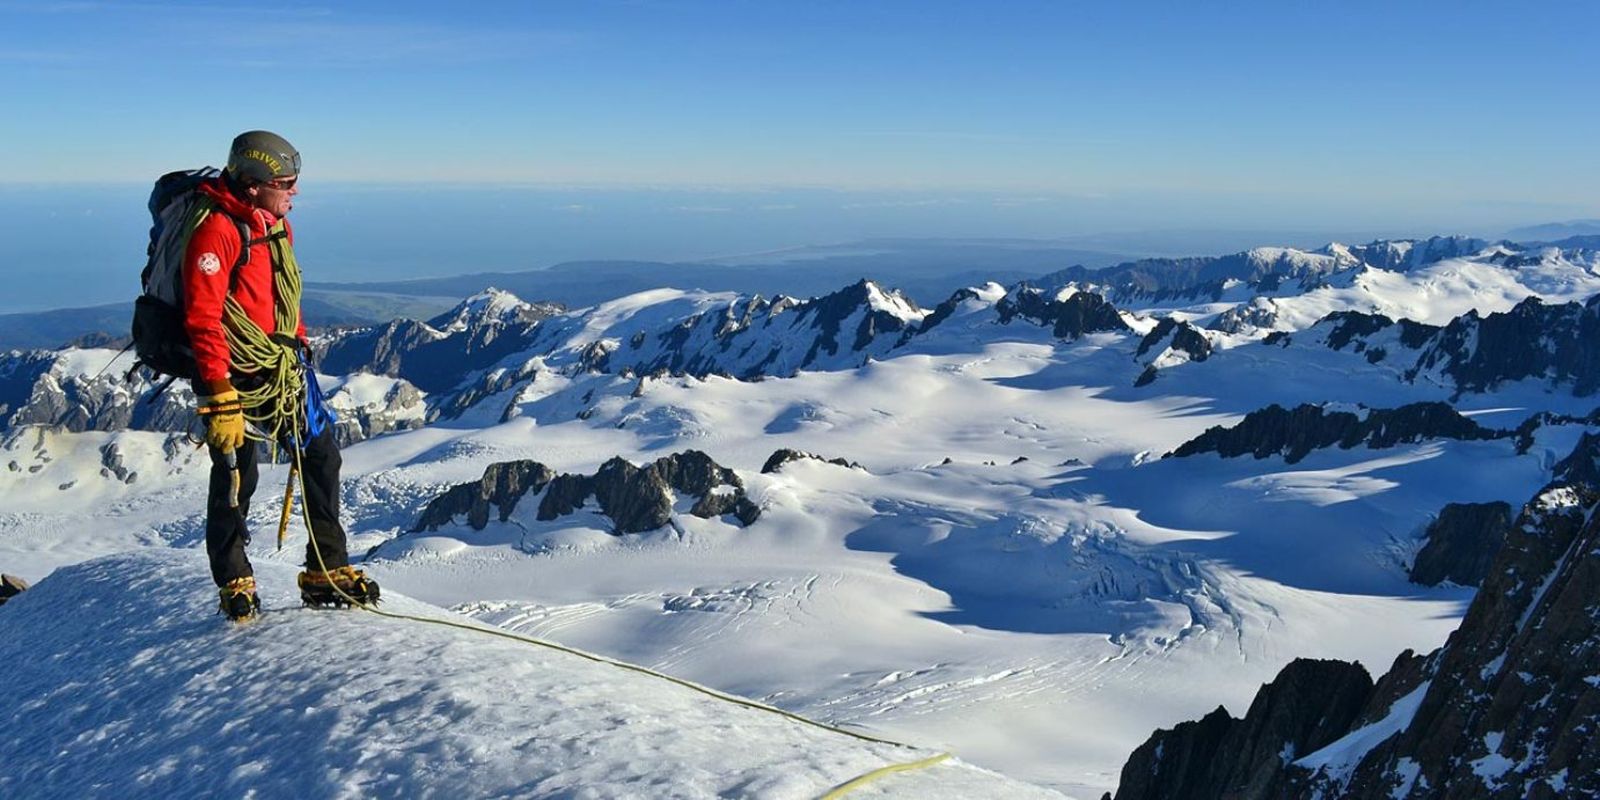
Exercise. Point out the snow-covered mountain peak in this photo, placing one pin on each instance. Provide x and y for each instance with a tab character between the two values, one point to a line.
489	307
892	302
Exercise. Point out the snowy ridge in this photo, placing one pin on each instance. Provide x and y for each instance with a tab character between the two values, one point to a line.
753	337
146	696
490	306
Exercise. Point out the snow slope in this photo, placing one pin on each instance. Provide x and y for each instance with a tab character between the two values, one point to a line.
139	696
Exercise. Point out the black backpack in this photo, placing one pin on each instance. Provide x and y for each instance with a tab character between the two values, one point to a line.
176	209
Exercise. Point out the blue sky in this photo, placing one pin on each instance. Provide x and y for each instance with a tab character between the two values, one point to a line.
1417	117
1341	98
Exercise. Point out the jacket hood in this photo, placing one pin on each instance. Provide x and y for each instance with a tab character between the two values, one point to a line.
259	219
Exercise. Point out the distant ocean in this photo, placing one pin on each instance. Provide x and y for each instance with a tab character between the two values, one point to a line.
72	246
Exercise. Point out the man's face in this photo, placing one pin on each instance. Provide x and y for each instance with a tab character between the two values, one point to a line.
276	196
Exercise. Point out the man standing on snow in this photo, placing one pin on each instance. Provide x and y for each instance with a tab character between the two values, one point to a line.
240	291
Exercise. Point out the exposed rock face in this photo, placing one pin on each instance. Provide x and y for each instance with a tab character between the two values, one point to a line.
1259	313
401	407
111	465
1295	433
502	486
753	337
1462	543
11	586
41	388
1071	317
1559	344
943	311
1178	343
1309	705
437	355
785	455
1532	340
1265	268
636	499
1506	709
487	385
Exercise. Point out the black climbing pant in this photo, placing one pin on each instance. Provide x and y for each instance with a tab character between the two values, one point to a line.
225	526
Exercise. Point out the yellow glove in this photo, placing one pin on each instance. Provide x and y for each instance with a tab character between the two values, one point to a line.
224	417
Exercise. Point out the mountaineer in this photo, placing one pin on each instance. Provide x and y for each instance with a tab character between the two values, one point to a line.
239	304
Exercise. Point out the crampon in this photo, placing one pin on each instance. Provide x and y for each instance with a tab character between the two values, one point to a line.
238	599
337	588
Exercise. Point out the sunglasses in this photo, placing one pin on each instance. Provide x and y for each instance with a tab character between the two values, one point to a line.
282	184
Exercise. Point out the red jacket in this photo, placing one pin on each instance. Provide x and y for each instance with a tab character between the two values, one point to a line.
211	255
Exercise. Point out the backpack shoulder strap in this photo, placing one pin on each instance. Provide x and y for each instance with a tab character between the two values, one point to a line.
244	254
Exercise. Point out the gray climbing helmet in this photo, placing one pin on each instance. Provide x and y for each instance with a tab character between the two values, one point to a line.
260	156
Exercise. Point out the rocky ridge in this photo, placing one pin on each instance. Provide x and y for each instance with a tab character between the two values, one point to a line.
753	337
1174	343
637	499
1294	433
439	354
1070	314
1505	709
1556	344
1461	544
1261	269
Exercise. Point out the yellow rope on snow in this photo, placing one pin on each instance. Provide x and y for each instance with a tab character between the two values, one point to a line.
849	786
837	792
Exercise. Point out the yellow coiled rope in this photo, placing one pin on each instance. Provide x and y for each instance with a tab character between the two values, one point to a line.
274	403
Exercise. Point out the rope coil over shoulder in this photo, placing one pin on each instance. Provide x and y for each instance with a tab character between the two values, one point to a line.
273	396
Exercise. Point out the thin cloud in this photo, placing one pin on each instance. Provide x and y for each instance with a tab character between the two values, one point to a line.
925	202
294	37
701	209
964	136
42	57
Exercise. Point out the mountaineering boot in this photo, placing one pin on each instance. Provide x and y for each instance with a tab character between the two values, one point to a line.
337	587
239	599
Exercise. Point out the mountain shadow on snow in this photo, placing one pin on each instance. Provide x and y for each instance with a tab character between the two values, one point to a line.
1505	709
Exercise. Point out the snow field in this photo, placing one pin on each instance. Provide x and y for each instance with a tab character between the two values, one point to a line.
144	697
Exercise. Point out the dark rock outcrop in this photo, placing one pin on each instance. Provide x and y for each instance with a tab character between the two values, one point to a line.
1184	337
1179	337
785	455
502	486
1293	434
1556	344
1078	314
11	586
636	499
1560	343
567	494
1307	706
1506	709
1462	543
